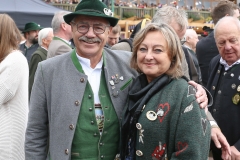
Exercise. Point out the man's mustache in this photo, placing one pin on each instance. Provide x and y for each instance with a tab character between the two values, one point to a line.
90	40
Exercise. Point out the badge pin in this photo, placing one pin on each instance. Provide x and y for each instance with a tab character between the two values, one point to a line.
121	78
238	88
232	75
233	86
111	83
236	98
151	115
139	126
160	112
115	93
238	77
141	135
224	73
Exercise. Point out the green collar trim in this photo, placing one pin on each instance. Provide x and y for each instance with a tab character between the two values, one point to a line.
56	38
78	65
76	61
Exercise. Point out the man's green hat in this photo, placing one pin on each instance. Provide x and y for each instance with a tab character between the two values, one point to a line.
31	26
92	8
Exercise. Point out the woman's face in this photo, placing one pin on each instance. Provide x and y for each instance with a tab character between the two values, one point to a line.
152	55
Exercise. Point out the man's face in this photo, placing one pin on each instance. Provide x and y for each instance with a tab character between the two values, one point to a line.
48	39
113	39
32	36
192	40
227	38
90	44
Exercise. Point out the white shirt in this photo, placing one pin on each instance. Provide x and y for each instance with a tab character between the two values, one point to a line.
226	66
94	75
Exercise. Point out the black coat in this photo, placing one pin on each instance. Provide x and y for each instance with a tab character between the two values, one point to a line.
223	85
206	49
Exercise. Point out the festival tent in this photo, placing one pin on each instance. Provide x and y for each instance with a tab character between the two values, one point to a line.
24	11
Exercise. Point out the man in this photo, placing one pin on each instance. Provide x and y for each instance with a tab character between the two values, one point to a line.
191	39
126	44
77	98
114	36
224	83
62	35
30	32
206	48
45	37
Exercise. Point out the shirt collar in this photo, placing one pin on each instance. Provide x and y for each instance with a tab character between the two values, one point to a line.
86	62
226	66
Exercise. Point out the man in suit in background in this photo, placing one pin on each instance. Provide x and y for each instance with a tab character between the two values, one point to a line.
30	32
62	35
45	37
206	48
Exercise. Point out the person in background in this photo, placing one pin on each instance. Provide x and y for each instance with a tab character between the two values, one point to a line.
191	39
126	44
162	119
206	48
45	37
13	91
30	32
62	35
224	84
114	36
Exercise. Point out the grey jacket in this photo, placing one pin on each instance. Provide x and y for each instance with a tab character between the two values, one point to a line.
56	99
57	47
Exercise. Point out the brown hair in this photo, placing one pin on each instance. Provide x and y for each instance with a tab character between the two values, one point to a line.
175	51
223	8
10	36
116	29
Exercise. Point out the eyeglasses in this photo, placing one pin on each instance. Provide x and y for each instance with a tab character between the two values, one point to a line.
84	28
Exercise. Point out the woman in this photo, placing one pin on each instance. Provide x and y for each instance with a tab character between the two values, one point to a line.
162	119
13	91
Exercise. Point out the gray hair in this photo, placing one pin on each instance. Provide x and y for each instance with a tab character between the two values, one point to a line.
43	33
170	14
230	20
58	20
190	33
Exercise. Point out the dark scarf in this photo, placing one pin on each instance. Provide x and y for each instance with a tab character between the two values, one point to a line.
138	96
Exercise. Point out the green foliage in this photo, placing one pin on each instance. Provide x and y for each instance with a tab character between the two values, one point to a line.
208	19
195	16
128	15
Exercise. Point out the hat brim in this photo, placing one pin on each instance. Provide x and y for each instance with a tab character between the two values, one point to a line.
32	29
69	17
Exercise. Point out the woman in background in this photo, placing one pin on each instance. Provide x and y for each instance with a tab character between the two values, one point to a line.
162	119
13	91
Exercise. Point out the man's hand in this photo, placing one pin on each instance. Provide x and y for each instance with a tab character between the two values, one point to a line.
200	95
235	154
221	142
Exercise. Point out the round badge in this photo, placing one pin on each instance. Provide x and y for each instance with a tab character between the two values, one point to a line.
151	115
236	99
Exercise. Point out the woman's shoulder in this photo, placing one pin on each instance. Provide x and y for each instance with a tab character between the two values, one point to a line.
15	56
179	83
181	87
16	59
